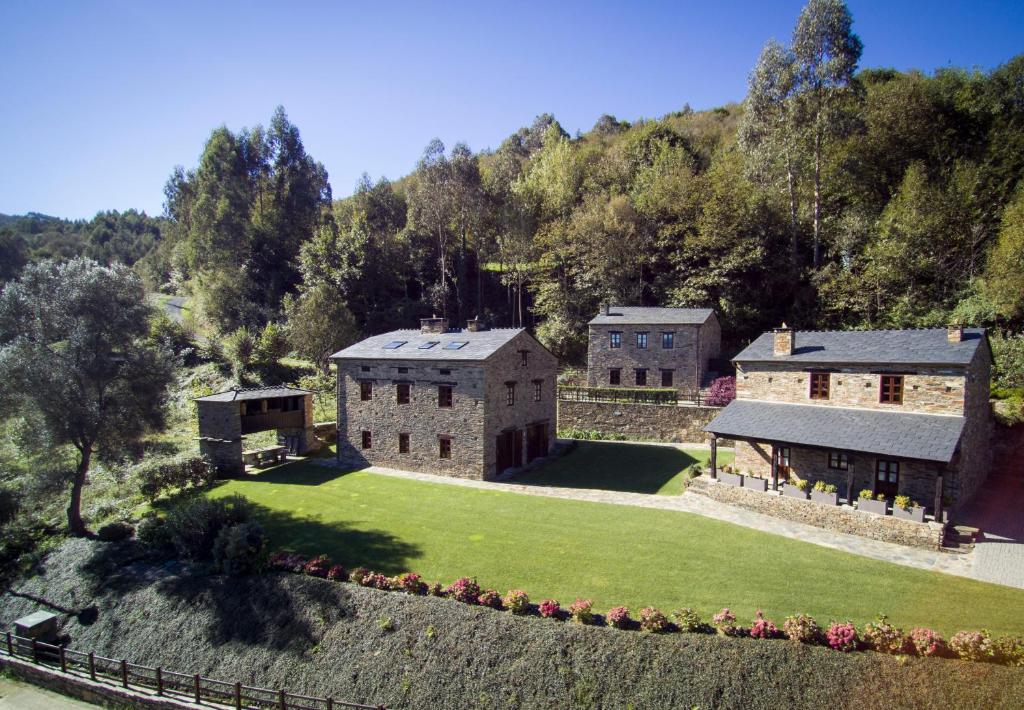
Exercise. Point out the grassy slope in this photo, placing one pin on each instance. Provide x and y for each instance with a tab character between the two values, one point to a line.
613	467
613	554
324	638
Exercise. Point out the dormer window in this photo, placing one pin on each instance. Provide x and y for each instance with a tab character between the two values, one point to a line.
819	385
891	390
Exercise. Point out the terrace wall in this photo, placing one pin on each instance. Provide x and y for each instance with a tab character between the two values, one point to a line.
650	422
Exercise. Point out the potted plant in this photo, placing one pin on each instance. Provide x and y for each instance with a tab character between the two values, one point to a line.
755	482
871	503
795	490
733	479
906	509
825	493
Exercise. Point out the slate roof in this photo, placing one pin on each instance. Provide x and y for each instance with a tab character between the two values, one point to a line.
239	395
882	347
479	345
923	437
636	315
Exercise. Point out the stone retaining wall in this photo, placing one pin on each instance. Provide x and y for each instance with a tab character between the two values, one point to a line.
840	518
651	422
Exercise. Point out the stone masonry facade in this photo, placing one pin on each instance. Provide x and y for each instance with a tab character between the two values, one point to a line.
640	422
478	411
693	346
220	430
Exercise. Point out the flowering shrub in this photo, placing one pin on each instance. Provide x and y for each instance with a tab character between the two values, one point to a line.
517	601
358	574
582	611
866	494
881	496
725	622
286	562
653	620
883	637
436	590
337	573
903	502
819	486
619	617
688	620
410	583
1009	650
464	589
972	645
802	484
803	628
489	598
926	642
842	636
721	392
763	628
549	608
318	566
377	581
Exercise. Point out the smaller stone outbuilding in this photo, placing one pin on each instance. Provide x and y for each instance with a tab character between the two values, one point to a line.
652	347
225	417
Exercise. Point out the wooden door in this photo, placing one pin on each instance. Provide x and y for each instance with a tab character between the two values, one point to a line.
517	451
887	478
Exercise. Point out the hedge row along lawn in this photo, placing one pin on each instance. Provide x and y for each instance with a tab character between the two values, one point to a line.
613	554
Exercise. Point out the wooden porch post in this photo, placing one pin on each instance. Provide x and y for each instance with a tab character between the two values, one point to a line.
714	455
849	477
938	497
775	467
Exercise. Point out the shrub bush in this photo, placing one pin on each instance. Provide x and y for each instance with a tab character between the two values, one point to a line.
842	636
410	583
883	637
1009	650
115	532
549	608
653	621
725	622
582	611
689	620
193	525
619	617
240	549
375	580
489	598
866	494
287	562
802	484
272	344
337	573
517	601
154	534
464	589
436	590
926	642
903	502
319	566
358	574
819	486
804	629
721	392
161	477
972	645
763	628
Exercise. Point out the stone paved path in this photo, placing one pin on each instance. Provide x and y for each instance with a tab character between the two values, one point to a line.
957	564
998	511
15	695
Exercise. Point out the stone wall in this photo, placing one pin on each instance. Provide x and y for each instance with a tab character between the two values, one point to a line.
840	518
917	478
932	390
974	460
222	421
650	422
683	359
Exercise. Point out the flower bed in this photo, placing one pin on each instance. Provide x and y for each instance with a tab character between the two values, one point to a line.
880	636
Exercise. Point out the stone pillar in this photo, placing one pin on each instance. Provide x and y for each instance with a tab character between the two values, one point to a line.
938	498
775	467
849	478
714	455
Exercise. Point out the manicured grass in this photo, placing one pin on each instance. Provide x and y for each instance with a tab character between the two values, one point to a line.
613	554
618	466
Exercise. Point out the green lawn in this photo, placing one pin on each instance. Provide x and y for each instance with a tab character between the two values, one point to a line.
613	554
612	466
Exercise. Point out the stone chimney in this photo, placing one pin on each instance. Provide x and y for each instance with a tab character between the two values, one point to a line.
606	308
475	325
782	342
433	325
955	333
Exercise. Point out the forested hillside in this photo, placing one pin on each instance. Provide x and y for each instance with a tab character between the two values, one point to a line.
831	197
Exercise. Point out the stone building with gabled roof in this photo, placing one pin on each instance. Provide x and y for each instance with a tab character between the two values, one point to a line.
896	412
468	403
633	346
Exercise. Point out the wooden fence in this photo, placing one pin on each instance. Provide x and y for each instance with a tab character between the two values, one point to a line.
195	688
628	395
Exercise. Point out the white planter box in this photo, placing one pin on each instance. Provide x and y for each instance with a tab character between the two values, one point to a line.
732	479
758	484
793	492
826	498
878	507
916	513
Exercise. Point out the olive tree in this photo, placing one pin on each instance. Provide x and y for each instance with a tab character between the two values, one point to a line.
74	352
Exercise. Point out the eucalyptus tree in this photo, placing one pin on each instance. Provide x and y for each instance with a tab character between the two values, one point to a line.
74	353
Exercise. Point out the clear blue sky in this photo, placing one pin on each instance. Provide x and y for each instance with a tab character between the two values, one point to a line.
101	99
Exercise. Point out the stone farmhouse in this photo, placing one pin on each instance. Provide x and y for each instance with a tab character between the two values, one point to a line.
899	412
468	403
652	347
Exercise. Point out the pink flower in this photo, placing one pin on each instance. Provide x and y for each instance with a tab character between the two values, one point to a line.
619	617
549	608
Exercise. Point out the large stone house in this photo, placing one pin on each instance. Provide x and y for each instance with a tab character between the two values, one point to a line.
468	403
899	412
652	347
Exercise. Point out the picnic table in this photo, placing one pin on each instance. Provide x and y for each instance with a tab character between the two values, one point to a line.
268	454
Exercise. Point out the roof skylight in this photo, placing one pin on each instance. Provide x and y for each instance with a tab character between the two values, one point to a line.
455	344
395	344
429	344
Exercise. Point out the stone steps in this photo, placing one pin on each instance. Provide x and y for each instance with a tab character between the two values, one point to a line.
960	539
